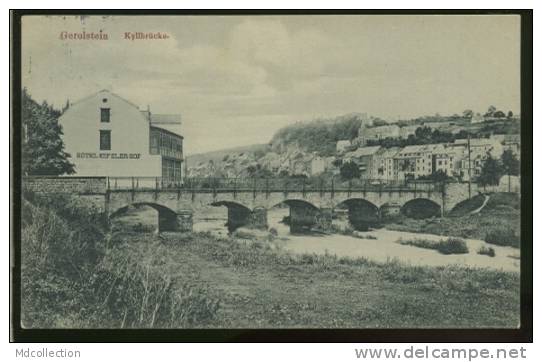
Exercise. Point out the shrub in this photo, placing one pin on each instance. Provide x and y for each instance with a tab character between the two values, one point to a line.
503	237
484	250
448	246
452	246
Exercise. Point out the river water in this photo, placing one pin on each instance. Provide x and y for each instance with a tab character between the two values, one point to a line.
384	247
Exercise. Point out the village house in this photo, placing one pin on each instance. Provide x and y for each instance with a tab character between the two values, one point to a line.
413	161
383	164
343	146
443	159
509	141
318	165
363	157
482	145
406	131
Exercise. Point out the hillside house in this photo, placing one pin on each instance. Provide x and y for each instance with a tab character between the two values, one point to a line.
363	157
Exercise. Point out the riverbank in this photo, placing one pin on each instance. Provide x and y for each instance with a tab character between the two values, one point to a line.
500	214
262	287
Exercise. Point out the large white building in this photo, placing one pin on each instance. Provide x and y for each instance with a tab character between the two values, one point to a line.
107	135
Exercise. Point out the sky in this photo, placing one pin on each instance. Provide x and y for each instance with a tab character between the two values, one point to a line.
235	80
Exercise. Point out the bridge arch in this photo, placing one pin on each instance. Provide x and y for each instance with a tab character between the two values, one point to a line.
238	214
362	213
421	208
303	215
167	218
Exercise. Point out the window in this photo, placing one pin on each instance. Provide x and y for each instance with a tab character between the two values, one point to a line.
105	114
105	140
155	140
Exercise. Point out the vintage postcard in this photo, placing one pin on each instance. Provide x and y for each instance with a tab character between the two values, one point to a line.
271	171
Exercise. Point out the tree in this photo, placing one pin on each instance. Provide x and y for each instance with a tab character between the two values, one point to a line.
510	114
437	176
499	114
377	122
424	135
490	111
491	172
43	148
467	113
510	165
349	170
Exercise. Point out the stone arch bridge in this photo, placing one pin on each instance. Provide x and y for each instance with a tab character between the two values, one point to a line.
311	203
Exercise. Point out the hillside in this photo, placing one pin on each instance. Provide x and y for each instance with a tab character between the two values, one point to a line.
216	156
319	136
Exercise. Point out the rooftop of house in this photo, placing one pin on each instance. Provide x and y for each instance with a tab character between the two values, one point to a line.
162	118
363	151
389	152
412	150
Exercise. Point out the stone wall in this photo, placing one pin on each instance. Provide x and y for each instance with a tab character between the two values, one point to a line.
68	185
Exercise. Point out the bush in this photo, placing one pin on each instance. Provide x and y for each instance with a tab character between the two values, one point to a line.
448	246
484	250
503	237
452	246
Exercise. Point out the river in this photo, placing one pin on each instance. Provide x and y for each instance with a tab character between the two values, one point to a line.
384	247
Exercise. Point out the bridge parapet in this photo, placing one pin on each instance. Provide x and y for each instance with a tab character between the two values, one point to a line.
269	185
65	184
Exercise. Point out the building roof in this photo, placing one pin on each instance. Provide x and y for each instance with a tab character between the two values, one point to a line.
343	144
389	152
165	118
363	151
406	151
476	142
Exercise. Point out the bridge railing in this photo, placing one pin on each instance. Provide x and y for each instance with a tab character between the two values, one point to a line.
290	184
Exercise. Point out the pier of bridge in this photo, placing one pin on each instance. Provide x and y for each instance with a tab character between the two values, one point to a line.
311	202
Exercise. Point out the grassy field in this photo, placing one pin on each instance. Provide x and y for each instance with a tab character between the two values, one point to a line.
259	287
